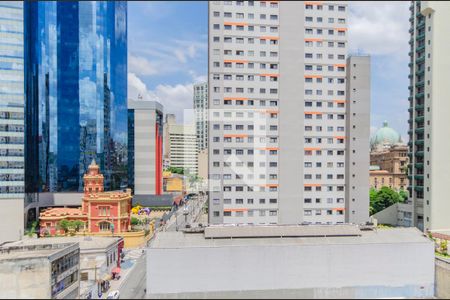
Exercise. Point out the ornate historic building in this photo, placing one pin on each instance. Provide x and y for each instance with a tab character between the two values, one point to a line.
100	211
388	160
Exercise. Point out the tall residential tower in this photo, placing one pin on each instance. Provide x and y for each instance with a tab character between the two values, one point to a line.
278	112
429	111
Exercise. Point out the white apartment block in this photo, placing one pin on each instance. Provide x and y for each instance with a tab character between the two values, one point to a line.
180	145
201	113
429	111
278	107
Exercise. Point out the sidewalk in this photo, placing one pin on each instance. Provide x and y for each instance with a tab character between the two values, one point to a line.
126	268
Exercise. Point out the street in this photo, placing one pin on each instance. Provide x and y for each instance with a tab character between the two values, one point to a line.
133	287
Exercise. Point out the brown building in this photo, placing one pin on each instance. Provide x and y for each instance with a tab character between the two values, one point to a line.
389	167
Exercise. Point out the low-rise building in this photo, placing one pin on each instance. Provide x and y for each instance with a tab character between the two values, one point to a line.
311	261
100	211
99	258
40	270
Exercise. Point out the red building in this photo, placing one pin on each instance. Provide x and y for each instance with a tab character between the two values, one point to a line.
100	211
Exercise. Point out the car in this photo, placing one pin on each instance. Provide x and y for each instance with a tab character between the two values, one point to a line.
113	295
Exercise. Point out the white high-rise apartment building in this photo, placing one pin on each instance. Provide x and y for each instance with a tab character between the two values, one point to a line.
201	113
180	145
278	109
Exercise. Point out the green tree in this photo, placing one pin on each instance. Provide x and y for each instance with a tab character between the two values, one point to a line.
65	225
77	224
383	198
403	195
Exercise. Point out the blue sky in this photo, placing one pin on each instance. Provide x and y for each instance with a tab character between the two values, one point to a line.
167	53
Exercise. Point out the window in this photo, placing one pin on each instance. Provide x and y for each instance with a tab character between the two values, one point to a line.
341	8
104	226
227	213
216	14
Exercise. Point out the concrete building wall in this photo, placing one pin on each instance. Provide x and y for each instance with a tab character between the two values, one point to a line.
33	284
357	139
306	271
291	87
12	216
147	146
436	175
442	279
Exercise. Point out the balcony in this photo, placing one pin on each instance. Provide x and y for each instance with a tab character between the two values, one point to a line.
420	119
418	176
420	72
420	59
418	188
420	84
420	48
419	107
410	109
418	166
410	64
419	142
420	95
419	153
420	130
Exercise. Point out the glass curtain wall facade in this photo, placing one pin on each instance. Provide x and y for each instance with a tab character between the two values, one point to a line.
76	93
11	100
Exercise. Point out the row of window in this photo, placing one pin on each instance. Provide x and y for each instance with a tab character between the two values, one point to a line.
241	176
318	164
242	127
320	56
240	90
248	102
330	141
249	201
319	31
240	188
330	104
320	7
251	16
319	200
249	3
250	213
241	152
318	212
320	92
250	139
242	77
329	128
309	116
250	40
329	188
320	44
249	164
320	20
250	53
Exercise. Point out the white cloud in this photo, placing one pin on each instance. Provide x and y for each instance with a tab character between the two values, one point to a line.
176	99
379	27
141	66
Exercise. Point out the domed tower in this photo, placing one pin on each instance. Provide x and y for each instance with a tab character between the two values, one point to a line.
385	137
93	182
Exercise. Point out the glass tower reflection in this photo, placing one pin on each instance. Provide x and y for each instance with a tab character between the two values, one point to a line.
76	72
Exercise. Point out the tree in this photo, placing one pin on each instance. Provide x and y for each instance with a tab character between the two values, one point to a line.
403	195
77	224
384	198
64	224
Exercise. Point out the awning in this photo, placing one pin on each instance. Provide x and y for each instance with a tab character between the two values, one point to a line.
116	270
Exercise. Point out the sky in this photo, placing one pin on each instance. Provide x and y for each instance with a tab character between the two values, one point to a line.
168	54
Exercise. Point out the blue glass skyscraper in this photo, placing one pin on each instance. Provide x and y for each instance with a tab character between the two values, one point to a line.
76	86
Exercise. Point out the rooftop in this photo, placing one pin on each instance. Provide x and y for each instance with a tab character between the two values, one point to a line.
13	251
87	243
240	236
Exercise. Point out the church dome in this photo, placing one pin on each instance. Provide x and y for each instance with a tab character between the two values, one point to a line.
385	136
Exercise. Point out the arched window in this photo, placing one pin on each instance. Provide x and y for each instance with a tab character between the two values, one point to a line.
104	226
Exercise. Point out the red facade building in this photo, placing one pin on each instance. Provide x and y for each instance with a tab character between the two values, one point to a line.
100	212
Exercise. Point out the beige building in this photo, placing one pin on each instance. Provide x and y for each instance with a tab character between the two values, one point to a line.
40	271
388	167
180	145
